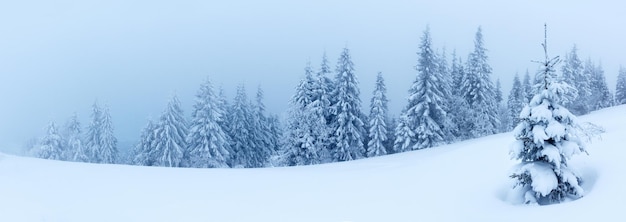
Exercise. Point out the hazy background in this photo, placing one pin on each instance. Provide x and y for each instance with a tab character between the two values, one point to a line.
57	57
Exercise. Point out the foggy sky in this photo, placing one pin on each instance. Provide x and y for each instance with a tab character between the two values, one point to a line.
58	57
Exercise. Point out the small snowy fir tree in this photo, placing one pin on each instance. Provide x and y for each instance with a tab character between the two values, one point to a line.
349	129
108	143
620	89
171	132
144	152
574	75
51	146
378	120
425	113
207	141
75	150
479	92
545	142
516	102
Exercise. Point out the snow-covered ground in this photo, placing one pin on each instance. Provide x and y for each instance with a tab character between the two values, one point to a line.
466	181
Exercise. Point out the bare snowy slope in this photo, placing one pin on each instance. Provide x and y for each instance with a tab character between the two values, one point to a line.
466	181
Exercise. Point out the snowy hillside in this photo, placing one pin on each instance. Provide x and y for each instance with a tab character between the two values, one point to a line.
466	181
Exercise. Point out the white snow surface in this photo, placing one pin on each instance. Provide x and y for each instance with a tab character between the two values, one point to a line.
465	181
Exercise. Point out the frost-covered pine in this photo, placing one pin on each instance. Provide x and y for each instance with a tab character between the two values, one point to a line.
144	152
620	88
391	137
75	150
404	136
245	151
425	113
307	132
94	132
107	152
527	88
325	89
479	92
170	132
459	109
262	133
503	112
516	102
574	75
457	71
601	97
207	141
545	142
378	120
51	146
349	130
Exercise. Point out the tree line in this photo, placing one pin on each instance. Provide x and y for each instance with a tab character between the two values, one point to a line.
325	121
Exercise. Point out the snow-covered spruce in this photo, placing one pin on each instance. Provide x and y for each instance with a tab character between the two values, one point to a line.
306	139
425	113
74	149
378	120
479	92
348	126
207	141
620	88
101	144
51	146
545	142
574	75
515	102
170	133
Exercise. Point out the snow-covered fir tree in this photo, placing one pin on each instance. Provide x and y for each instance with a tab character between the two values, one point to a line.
478	90
207	141
75	150
245	151
620	88
51	145
503	111
574	75
170	132
457	71
447	80
262	133
305	139
601	97
498	91
349	130
107	152
404	135
515	102
391	137
425	112
527	88
144	153
545	143
459	109
94	132
378	119
325	89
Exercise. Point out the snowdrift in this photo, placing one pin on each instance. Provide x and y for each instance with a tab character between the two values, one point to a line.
465	181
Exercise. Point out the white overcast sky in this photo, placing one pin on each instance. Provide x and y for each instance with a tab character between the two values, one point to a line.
57	57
